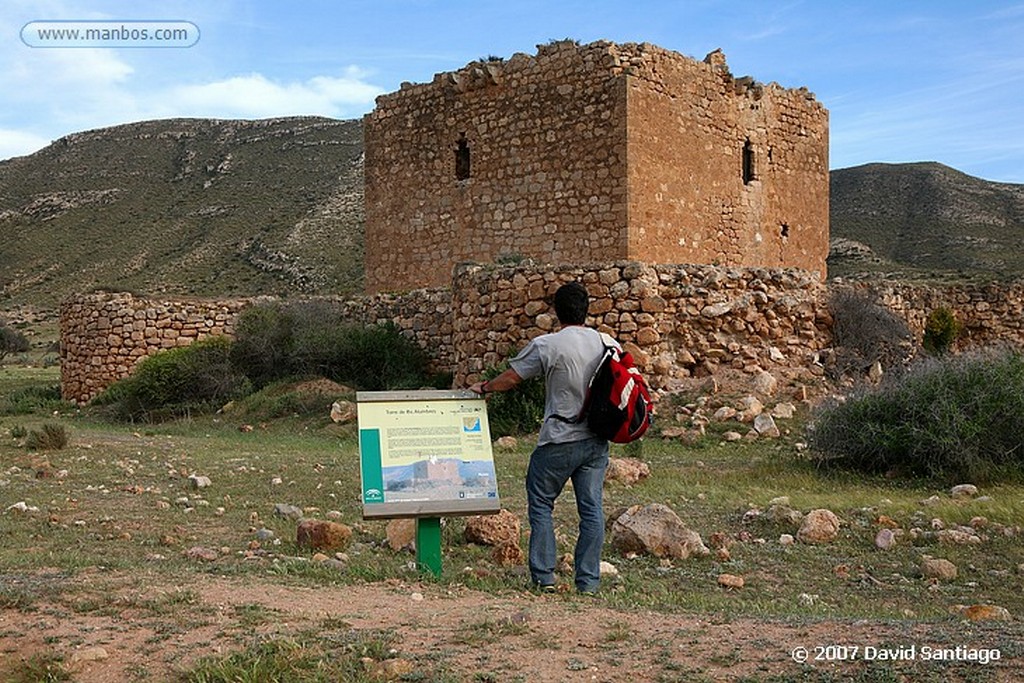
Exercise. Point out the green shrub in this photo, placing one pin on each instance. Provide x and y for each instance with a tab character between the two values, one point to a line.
263	343
314	339
196	378
31	399
863	332
941	330
49	437
11	341
954	419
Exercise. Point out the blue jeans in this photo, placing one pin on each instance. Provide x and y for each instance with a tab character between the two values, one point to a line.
551	466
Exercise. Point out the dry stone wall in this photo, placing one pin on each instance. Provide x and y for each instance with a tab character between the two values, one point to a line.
677	321
680	322
104	335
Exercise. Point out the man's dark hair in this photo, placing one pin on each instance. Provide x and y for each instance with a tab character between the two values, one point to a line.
571	304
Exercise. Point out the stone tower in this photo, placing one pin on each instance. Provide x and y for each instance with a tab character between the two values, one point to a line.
593	153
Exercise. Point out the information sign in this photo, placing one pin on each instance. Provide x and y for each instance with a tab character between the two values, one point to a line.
425	454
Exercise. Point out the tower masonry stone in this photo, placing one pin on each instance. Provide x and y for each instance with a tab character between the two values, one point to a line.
593	153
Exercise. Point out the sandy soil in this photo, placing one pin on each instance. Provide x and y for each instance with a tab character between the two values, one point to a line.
477	636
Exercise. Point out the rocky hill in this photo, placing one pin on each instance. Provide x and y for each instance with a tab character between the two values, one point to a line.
212	208
193	207
925	219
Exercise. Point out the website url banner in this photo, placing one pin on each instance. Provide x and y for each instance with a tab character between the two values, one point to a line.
110	34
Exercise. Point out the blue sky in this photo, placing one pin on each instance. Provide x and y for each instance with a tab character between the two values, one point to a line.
904	81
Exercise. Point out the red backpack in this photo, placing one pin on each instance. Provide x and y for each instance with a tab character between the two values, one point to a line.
618	406
618	402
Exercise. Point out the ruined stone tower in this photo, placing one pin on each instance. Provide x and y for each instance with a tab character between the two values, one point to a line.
593	153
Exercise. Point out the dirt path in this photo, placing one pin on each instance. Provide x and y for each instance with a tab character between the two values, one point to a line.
475	636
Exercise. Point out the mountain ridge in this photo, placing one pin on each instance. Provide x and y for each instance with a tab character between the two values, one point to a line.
211	207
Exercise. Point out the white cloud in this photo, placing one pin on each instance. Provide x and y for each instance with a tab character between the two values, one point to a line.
16	143
256	96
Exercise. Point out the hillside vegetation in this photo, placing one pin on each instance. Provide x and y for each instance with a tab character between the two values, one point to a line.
193	207
212	208
925	219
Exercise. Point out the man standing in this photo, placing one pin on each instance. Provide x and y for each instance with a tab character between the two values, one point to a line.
566	450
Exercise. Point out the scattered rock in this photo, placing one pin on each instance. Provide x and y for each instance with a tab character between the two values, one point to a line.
982	612
964	491
724	413
609	570
786	539
750	407
885	539
940	569
22	507
783	514
506	443
784	411
496	529
765	425
89	654
730	581
200	553
343	412
657	530
199	482
958	537
732	436
887	522
288	511
626	471
764	383
508	555
819	526
401	534
320	535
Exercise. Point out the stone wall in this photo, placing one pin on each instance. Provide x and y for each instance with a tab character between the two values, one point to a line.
677	321
680	322
593	153
104	335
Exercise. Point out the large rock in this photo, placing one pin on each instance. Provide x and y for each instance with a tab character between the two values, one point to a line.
320	535
654	529
819	526
401	534
343	412
627	471
497	529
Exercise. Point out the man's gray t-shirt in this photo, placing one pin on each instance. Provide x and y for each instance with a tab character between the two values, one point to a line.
567	359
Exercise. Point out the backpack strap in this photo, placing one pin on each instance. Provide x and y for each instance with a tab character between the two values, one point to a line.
606	350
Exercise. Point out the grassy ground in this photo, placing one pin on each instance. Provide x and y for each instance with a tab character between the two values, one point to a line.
116	502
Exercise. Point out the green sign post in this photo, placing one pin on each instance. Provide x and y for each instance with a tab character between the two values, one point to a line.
425	454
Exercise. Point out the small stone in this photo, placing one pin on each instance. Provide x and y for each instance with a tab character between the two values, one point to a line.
416	597
200	553
784	411
627	471
730	581
319	558
89	654
983	612
964	491
508	555
506	443
401	534
288	511
786	539
765	425
264	534
495	529
343	412
199	482
940	569
732	436
609	570
885	539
